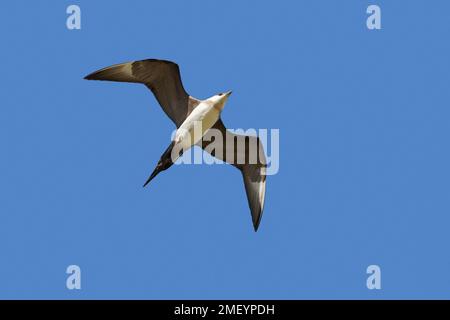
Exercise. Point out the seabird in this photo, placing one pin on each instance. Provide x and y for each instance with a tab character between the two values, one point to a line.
163	79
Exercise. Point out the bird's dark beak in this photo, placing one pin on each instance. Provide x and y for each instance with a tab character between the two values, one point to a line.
229	93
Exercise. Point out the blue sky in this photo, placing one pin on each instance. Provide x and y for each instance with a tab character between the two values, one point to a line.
364	158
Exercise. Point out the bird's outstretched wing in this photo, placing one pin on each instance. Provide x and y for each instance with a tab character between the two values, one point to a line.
161	77
247	154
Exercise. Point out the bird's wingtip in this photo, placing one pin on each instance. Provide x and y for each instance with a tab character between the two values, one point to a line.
256	221
256	226
93	76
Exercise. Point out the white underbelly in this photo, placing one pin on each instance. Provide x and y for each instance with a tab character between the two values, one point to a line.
195	126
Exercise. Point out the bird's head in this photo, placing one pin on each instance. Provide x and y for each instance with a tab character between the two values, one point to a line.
219	99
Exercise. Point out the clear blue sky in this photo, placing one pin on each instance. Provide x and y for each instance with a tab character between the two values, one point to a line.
364	151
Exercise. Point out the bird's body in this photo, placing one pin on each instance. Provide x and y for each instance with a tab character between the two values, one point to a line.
193	118
201	119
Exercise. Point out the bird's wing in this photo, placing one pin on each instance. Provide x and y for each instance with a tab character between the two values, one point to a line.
247	154
161	77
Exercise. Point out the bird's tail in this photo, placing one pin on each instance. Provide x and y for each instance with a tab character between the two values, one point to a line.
164	163
154	173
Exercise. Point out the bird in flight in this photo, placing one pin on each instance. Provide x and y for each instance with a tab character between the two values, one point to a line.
188	113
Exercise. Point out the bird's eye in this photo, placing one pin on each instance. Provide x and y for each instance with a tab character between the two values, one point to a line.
220	94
